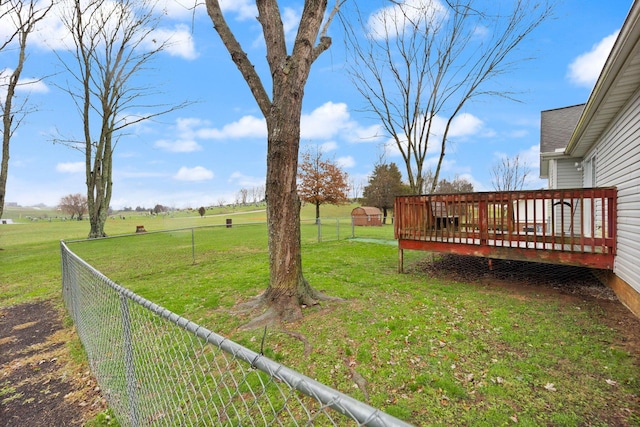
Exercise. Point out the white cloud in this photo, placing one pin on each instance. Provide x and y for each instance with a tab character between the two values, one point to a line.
290	22
180	9
464	124
179	41
481	32
27	84
333	119
518	133
531	156
70	167
32	85
185	125
586	68
373	133
325	121
51	33
246	127
328	146
345	162
197	173
389	21
244	9
178	146
245	181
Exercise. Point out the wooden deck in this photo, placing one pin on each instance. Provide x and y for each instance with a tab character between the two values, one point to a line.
569	226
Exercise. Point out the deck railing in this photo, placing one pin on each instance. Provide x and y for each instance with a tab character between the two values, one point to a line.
570	226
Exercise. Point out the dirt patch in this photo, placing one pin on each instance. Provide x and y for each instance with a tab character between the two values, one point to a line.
525	280
39	384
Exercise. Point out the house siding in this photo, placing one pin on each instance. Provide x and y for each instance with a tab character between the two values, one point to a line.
618	164
568	175
553	180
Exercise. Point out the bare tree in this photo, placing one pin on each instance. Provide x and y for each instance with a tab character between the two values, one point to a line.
418	64
257	194
355	187
19	19
509	174
243	196
114	42
288	71
321	181
74	204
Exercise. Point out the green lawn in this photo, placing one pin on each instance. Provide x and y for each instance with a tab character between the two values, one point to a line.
432	352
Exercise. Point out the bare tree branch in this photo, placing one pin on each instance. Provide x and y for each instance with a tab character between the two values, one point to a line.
239	57
510	174
113	44
21	18
419	65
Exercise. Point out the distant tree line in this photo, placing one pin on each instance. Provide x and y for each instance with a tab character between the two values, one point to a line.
385	183
155	210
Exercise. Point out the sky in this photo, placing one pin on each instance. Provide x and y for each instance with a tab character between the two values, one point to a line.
205	153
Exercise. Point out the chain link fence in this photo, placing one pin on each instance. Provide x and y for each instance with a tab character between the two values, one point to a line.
341	228
156	368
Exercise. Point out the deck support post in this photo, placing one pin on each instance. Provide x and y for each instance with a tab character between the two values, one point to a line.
400	260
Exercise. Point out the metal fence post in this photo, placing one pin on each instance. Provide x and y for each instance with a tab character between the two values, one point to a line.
130	370
319	229
338	227
353	228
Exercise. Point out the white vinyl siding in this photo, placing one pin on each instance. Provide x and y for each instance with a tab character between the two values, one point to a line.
618	164
552	173
568	174
567	212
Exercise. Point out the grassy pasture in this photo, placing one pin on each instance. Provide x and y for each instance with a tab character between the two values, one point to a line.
431	352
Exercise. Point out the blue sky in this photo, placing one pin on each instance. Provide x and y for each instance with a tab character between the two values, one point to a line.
204	154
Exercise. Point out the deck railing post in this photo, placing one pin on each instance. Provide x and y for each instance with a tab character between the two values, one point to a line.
483	220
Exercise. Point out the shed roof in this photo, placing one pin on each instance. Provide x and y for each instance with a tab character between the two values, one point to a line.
368	210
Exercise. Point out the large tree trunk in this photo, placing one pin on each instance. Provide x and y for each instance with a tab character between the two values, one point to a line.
288	289
4	169
99	186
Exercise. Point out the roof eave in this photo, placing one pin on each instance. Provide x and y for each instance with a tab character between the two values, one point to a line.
622	48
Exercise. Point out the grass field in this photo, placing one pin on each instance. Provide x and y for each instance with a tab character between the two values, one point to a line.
432	351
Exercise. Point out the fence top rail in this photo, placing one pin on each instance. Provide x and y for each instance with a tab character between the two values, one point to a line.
363	413
194	227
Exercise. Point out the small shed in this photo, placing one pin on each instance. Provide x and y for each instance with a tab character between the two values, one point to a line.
366	216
